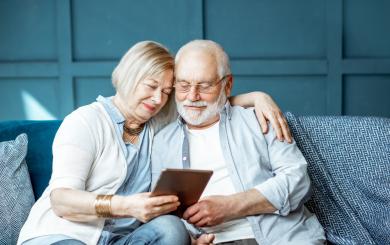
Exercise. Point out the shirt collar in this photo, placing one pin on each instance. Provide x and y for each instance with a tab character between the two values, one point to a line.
114	112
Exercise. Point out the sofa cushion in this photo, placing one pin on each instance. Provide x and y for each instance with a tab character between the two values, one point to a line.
16	196
39	155
349	165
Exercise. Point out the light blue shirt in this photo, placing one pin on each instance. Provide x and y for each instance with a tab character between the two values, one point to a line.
138	176
276	169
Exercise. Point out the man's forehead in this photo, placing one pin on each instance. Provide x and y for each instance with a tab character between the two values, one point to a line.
197	54
200	75
196	66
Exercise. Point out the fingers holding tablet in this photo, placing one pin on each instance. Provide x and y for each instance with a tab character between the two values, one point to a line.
187	184
145	207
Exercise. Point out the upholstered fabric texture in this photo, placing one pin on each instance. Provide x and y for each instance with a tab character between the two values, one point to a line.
349	165
39	155
16	195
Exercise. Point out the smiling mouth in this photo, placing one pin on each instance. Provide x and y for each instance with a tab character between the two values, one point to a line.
195	107
149	107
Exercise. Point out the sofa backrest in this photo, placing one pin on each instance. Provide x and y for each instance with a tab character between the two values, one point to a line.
348	162
39	155
349	165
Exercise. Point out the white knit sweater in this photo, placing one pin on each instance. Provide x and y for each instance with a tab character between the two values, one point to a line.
87	155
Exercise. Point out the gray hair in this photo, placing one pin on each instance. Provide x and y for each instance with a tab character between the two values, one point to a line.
212	48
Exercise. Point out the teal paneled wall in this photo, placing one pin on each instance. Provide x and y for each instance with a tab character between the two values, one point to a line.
91	86
268	29
303	95
28	31
315	57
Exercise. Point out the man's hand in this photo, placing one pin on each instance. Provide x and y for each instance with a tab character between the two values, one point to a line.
214	210
204	239
210	211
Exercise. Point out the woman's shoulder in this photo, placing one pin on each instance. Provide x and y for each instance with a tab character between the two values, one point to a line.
90	110
90	113
86	118
86	125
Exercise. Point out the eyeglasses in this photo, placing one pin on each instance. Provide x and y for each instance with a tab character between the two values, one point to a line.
202	87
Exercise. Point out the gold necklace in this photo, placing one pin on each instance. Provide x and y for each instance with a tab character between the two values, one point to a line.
132	133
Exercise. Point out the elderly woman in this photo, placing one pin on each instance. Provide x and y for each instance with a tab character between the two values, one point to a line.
99	188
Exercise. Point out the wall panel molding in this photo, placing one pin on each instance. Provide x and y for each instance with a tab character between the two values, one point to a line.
66	90
326	30
334	55
29	69
278	67
366	66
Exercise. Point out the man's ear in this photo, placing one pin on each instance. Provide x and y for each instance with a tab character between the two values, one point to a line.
229	85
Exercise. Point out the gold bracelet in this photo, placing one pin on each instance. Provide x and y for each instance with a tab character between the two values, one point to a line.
103	205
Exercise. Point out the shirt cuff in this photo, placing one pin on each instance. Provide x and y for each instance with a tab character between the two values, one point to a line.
275	195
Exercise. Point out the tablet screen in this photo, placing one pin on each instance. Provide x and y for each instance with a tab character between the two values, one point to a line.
187	184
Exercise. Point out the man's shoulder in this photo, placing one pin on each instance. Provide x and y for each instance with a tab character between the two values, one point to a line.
246	118
243	114
240	109
166	143
168	132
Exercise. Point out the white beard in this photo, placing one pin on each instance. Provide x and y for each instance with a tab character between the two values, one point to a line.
195	117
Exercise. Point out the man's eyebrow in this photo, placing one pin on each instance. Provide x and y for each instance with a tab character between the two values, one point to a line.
180	80
196	82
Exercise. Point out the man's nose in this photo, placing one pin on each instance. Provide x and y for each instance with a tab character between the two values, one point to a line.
193	94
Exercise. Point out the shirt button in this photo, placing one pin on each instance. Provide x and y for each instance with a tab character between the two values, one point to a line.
184	158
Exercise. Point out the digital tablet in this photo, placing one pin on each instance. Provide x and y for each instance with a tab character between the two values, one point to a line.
187	184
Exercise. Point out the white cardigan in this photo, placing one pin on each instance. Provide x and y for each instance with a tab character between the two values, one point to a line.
87	155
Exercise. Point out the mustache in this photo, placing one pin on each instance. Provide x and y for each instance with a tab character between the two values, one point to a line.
194	103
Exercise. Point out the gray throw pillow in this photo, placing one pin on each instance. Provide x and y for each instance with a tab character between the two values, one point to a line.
16	195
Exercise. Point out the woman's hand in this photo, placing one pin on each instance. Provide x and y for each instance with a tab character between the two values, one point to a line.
267	110
143	207
76	205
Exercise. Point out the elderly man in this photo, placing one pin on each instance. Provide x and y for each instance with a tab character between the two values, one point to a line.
259	185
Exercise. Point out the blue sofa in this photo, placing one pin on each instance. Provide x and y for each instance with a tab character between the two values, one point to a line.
349	165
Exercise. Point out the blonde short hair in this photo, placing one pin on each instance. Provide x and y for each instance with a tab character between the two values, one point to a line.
144	59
